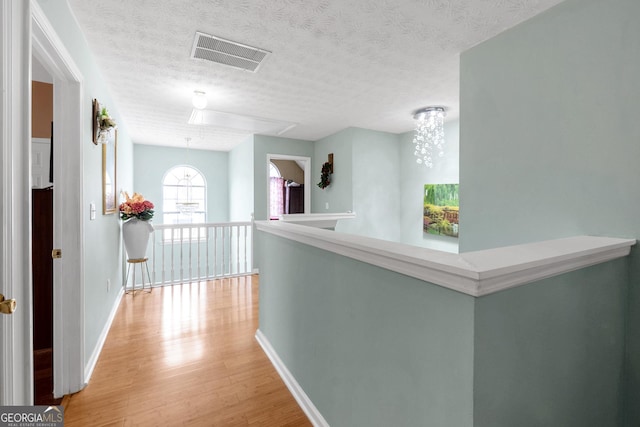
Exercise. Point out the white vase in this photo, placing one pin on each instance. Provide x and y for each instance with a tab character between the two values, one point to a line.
135	233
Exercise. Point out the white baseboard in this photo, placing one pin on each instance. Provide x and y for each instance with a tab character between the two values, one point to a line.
298	393
91	364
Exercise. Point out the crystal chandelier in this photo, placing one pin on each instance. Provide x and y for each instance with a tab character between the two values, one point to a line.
429	136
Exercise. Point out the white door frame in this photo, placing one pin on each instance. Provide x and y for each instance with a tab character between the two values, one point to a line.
68	231
16	343
307	179
17	20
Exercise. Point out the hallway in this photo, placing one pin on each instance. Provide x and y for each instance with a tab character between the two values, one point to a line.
186	355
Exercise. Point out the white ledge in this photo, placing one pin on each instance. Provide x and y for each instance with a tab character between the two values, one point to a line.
319	220
474	273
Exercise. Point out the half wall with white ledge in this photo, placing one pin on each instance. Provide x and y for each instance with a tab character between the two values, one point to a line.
318	220
369	332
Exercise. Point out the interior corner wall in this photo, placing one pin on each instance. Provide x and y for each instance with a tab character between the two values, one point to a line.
152	162
241	181
377	177
369	347
551	353
375	180
103	257
538	158
338	196
413	177
262	146
38	72
365	181
549	142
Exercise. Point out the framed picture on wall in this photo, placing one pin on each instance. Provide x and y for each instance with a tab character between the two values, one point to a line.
441	207
95	109
109	174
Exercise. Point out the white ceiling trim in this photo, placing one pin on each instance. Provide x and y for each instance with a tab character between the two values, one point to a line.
238	122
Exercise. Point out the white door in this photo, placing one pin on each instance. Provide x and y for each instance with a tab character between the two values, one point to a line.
18	18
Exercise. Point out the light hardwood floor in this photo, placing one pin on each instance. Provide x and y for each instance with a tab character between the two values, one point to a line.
186	355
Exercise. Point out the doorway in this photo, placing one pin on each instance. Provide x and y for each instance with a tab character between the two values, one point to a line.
42	233
296	195
69	114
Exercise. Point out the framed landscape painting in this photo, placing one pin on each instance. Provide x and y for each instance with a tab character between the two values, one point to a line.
441	207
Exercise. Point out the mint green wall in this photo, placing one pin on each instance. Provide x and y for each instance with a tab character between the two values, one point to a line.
551	353
372	347
550	147
413	177
339	195
365	181
264	145
376	186
632	349
241	181
376	177
369	347
101	236
152	162
549	129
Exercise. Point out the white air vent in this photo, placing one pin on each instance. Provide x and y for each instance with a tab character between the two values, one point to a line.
215	49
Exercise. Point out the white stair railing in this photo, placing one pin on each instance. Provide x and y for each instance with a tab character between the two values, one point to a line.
183	253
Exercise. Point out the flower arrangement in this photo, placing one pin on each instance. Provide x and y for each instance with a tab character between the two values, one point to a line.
136	207
325	175
105	122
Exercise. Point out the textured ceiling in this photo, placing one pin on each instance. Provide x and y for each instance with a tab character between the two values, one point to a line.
334	63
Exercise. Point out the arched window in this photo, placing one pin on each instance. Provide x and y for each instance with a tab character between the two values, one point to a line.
184	196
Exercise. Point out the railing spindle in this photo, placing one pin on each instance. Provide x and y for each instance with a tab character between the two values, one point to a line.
219	259
172	255
198	243
215	252
237	240
245	248
224	270
207	252
190	251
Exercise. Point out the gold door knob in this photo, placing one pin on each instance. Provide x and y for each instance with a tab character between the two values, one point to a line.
7	306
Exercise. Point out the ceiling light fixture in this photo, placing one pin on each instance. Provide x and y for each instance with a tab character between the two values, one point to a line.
199	100
429	136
